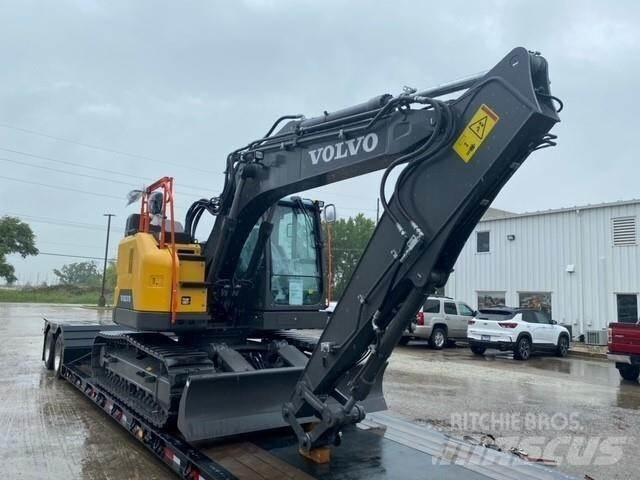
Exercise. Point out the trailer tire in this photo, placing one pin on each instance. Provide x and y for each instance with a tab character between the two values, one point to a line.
49	349
58	356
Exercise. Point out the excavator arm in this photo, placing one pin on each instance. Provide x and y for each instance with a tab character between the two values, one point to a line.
457	154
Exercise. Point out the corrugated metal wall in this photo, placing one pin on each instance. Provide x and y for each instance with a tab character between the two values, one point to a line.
537	259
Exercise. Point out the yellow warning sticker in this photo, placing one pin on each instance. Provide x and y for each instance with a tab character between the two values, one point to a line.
475	133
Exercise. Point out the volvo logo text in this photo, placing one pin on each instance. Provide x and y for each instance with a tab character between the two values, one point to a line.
366	143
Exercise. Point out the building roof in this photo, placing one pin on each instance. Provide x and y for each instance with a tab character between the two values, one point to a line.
497	214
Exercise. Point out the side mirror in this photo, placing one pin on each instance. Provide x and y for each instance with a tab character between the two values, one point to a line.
329	213
553	322
475	313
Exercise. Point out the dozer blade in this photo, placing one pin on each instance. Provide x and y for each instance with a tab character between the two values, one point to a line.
219	405
222	404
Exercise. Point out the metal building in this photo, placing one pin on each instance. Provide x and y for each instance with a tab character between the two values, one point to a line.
581	264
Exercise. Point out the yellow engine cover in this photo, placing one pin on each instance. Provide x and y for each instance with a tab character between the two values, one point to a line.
144	276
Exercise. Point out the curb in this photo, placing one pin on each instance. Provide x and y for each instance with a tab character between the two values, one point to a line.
587	354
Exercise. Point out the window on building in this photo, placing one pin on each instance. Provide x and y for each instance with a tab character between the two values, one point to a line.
491	299
482	242
627	307
536	301
432	306
450	308
624	231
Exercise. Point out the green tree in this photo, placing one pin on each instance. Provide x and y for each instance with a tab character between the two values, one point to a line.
79	273
111	277
15	237
349	238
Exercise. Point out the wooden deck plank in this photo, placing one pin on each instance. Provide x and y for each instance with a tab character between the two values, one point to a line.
240	470
247	461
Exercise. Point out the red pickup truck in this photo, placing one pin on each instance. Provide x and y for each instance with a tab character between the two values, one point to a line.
624	349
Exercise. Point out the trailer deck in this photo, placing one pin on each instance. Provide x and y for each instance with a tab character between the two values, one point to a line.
382	446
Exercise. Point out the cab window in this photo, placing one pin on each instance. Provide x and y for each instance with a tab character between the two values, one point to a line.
450	308
542	317
295	275
432	306
465	310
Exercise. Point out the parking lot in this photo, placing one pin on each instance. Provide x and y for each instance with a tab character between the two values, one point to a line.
48	429
583	400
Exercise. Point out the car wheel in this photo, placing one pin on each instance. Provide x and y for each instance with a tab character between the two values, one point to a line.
563	346
58	356
438	338
629	372
523	349
404	340
478	350
49	349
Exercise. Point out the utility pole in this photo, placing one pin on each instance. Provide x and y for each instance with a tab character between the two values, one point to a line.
101	301
377	210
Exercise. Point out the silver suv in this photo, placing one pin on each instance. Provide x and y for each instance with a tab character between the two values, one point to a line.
440	320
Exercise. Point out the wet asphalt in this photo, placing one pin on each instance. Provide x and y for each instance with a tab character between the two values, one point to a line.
50	430
575	408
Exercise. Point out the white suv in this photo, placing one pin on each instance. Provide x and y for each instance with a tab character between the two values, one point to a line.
521	330
440	320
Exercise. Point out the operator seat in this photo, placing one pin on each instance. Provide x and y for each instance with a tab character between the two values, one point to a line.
132	227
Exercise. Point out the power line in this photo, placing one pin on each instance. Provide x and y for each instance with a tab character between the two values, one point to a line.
58	187
97	147
66	244
69	189
97	169
74	256
84	175
102	179
57	221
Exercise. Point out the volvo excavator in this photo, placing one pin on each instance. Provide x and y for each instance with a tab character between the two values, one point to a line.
213	337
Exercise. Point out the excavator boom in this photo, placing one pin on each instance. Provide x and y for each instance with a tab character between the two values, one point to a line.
482	138
457	154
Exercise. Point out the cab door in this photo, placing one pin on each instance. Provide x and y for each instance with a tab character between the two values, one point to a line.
452	319
533	326
465	313
547	329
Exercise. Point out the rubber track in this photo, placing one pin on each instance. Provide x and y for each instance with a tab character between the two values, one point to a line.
172	354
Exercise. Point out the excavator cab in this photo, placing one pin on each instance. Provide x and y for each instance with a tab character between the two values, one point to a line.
161	270
283	265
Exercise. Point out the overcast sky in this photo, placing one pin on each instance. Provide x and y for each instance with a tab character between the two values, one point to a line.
169	88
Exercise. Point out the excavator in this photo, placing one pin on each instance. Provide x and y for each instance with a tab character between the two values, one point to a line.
213	338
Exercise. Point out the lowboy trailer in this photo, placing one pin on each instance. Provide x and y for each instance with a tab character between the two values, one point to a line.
382	446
